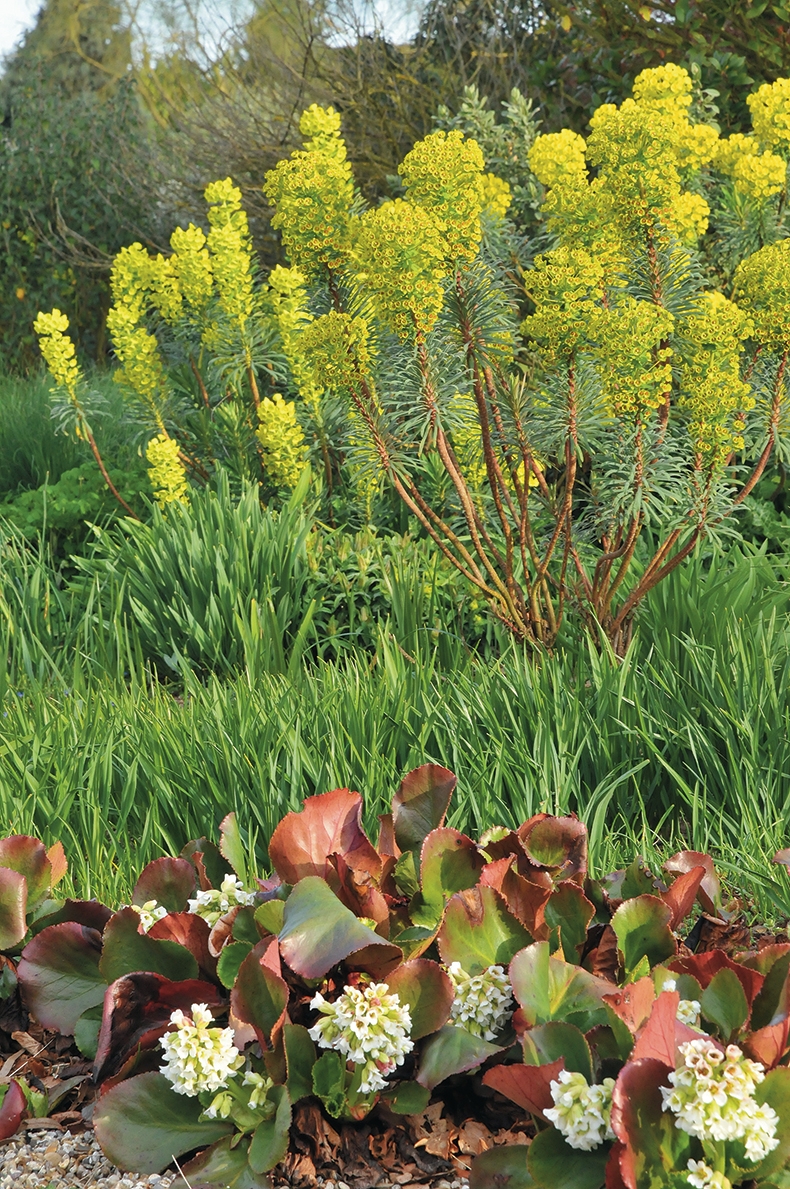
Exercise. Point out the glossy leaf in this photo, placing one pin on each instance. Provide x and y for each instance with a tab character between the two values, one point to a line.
642	930
525	899
427	991
28	856
125	949
659	1038
13	908
86	1031
653	1144
452	1050
58	863
548	988
142	1124
260	996
329	1082
569	910
224	1167
170	882
501	1168
529	1086
704	966
408	1098
59	975
210	865
558	844
449	862
300	1057
709	894
553	1164
12	1108
231	846
269	916
420	804
724	1004
547	1043
680	896
478	931
269	1143
318	932
230	960
193	933
775	1091
328	824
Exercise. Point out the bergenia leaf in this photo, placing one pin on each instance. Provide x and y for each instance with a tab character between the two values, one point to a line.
191	932
724	1004
12	1108
126	949
231	846
224	1166
643	932
209	864
171	882
449	862
709	894
260	996
658	1040
478	931
501	1168
547	1043
13	908
553	1164
28	856
427	991
569	910
449	1051
58	863
328	824
704	966
681	894
269	1143
549	988
142	1124
556	844
59	975
420	804
318	932
529	1086
525	899
300	1057
653	1143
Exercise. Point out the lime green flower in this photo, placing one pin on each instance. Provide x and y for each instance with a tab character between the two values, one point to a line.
442	174
192	266
338	347
58	350
760	176
770	109
231	251
633	356
166	471
710	382
667	88
762	288
557	157
282	440
496	195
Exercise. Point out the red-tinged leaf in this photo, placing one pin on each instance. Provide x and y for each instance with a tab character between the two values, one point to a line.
58	862
126	950
11	1110
704	966
231	846
449	862
192	932
270	956
768	1044
525	899
59	975
82	912
659	1038
427	991
642	929
782	857
421	803
209	863
555	1165
449	1051
709	894
142	1124
724	1004
328	824
680	895
13	908
547	1043
170	882
504	1167
478	931
358	891
137	1009
260	997
549	988
529	1086
619	1168
224	1167
28	856
633	1003
764	960
569	910
654	1145
386	844
557	845
318	932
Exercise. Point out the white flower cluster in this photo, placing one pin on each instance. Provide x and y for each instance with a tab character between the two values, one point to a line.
370	1026
702	1176
149	913
197	1056
581	1112
712	1097
483	1002
214	903
688	1009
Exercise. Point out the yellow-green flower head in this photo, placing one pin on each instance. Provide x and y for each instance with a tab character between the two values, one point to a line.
282	441
557	157
497	195
637	148
697	146
312	192
288	302
770	108
400	254
130	280
566	285
762	288
730	149
138	351
688	217
665	87
192	266
760	176
633	356
339	350
584	214
165	471
231	250
58	350
442	174
320	127
164	288
710	382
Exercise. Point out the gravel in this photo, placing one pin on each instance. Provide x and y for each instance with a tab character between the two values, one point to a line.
59	1160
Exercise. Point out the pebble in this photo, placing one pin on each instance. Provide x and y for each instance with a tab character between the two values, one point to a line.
45	1159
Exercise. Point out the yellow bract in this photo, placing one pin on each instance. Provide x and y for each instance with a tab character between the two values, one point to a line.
443	175
760	177
565	285
282	441
231	251
58	350
762	288
557	157
770	108
497	195
633	356
165	471
337	346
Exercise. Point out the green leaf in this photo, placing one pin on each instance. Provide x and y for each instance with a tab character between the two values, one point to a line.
230	960
169	881
478	931
421	803
724	1004
407	1098
231	846
269	1144
300	1057
548	1042
452	1050
13	908
406	875
28	857
427	992
329	1082
569	909
642	929
548	988
259	996
86	1031
555	1165
223	1166
125	950
59	975
269	916
501	1168
318	932
142	1124
449	863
